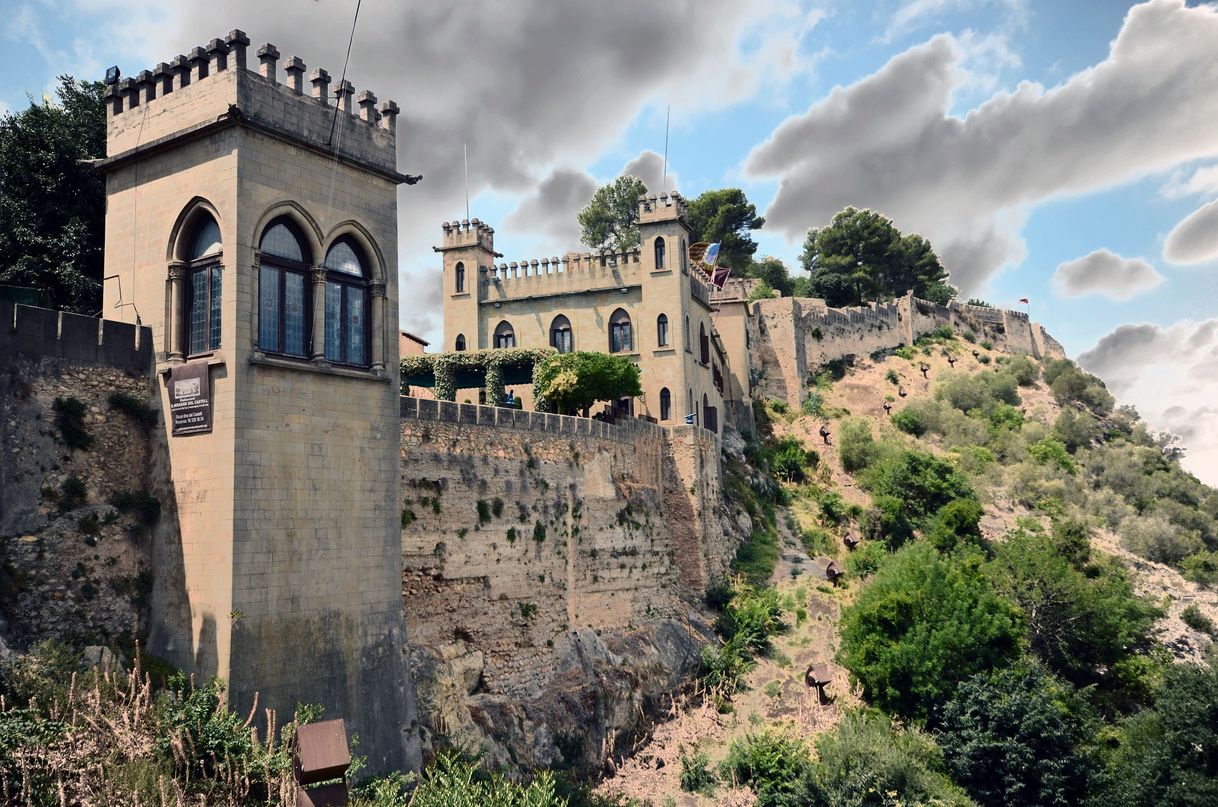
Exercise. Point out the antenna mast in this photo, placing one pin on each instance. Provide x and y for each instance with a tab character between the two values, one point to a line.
667	118
467	181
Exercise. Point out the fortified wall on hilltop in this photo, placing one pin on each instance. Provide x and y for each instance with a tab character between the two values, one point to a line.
794	336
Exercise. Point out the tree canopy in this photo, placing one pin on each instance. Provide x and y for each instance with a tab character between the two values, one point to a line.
611	219
727	216
862	256
574	381
925	623
52	208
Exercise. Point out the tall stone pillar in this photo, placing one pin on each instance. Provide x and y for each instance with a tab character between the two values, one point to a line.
318	274
378	324
174	338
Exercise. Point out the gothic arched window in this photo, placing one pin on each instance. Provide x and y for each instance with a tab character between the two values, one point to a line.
561	338
659	253
665	404
203	289
460	276
504	335
684	257
284	299
662	330
460	343
620	338
346	305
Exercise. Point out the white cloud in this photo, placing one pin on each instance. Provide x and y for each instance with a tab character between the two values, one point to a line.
889	143
917	13
1195	239
531	86
1104	272
1171	375
1202	182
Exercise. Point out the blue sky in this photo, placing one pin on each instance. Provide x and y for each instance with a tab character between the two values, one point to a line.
1009	132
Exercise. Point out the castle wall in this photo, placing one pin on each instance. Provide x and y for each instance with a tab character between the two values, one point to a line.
798	335
73	571
519	528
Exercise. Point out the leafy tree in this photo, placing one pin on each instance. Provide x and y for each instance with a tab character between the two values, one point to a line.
862	256
727	216
978	390
956	523
574	381
856	447
925	623
611	219
866	760
52	207
922	482
887	521
1017	736
773	273
1081	616
1168	755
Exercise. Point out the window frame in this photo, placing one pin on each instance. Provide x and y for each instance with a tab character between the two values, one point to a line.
207	264
659	248
665	404
662	335
348	282
459	278
619	322
501	334
564	327
459	343
282	267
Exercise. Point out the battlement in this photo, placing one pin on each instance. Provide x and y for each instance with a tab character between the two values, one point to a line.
571	262
574	272
663	207
213	87
40	332
468	233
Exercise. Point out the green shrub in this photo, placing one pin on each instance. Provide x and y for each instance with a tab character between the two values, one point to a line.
957	523
1017	736
1025	371
72	494
987	344
814	404
751	616
1168	754
141	503
136	408
1201	567
774	765
892	377
1153	536
1072	385
922	482
855	445
978	391
696	774
905	352
925	623
816	541
70	421
791	461
832	507
866	760
865	560
454	782
887	522
1196	620
909	422
1052	452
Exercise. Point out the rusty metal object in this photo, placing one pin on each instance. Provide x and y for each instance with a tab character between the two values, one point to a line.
321	754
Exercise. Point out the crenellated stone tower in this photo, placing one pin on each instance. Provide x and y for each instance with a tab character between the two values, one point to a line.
469	256
251	222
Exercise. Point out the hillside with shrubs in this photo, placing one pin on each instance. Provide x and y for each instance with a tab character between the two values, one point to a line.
1025	615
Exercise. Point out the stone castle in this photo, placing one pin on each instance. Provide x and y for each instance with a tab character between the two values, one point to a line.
509	578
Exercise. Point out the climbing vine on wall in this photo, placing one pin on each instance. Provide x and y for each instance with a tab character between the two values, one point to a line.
493	365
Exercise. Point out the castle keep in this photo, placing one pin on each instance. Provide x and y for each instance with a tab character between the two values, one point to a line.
251	224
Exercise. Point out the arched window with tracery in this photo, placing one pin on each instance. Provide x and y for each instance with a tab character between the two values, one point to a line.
203	288
621	340
460	277
460	343
346	304
659	253
561	337
662	330
665	404
505	336
284	298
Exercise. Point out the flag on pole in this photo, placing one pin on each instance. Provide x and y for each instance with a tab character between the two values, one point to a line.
1023	300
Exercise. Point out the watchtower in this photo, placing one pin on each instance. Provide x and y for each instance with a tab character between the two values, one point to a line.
468	252
252	224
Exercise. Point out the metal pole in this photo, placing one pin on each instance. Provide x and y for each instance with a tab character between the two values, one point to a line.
667	119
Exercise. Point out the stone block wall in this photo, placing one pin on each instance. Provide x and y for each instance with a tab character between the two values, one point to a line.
798	335
521	527
73	567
